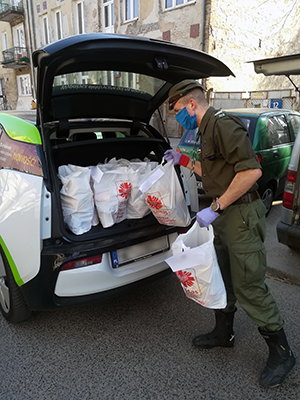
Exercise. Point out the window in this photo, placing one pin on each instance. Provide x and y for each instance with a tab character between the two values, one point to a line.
176	3
58	21
250	124
108	13
131	9
278	132
45	31
109	81
4	41
295	122
80	17
20	41
24	85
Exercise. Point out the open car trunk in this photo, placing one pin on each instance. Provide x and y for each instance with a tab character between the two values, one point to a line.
91	143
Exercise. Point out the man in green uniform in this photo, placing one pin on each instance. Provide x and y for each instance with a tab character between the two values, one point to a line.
229	170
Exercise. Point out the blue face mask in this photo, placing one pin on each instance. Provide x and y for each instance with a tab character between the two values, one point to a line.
185	120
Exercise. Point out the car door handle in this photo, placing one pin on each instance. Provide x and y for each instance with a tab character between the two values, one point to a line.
275	154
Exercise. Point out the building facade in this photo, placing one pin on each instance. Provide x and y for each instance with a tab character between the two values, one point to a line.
235	32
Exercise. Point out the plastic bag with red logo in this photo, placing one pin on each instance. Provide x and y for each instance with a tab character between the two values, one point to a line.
112	187
202	280
137	206
163	194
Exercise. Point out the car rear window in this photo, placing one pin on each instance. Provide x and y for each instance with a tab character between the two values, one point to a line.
250	123
109	80
295	121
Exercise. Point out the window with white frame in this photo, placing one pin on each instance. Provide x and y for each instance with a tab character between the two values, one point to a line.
108	15
20	42
45	30
18	35
131	9
4	41
80	16
58	22
24	85
176	3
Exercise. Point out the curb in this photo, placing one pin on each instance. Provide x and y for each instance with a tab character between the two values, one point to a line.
283	276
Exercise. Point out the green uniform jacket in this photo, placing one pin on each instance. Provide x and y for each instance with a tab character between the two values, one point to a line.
225	150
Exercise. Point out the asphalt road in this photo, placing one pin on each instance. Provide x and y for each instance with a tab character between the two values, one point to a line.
138	346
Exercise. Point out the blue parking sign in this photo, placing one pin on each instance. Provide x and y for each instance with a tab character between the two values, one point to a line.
276	103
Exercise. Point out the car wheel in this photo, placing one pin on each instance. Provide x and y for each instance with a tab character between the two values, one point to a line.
267	196
12	304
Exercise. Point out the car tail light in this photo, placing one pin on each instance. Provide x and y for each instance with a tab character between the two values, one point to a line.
288	194
259	157
84	262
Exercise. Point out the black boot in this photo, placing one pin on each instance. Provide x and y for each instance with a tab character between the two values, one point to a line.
281	359
222	335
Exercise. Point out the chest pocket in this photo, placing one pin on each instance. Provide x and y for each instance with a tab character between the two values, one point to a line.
209	150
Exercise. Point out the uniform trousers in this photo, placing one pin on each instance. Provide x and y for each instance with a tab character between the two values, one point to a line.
239	242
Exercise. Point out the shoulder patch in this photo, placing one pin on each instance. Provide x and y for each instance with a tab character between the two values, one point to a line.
220	114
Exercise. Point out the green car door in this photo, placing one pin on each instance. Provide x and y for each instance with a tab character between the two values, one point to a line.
277	149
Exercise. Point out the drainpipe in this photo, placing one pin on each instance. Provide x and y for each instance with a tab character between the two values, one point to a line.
30	50
202	24
202	30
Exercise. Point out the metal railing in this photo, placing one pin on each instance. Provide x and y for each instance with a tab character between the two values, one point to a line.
15	54
9	7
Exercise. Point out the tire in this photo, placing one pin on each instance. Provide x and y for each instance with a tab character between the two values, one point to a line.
12	304
267	196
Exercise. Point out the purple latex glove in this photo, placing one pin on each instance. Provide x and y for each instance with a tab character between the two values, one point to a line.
172	155
206	217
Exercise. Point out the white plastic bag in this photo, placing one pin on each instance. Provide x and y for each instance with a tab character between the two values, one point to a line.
137	206
202	280
112	187
164	196
77	198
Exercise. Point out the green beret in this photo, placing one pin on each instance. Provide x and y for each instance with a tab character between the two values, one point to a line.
182	89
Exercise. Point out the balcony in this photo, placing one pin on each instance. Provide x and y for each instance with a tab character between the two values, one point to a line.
16	57
9	12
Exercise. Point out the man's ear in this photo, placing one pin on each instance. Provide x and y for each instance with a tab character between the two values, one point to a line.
193	104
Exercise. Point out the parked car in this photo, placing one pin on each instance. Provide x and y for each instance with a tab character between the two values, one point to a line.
288	228
96	94
272	133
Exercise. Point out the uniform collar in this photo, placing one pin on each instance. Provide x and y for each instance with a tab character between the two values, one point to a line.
206	117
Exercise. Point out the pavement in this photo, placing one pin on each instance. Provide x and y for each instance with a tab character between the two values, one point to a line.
282	262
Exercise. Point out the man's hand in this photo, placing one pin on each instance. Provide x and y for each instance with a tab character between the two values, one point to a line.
206	217
172	155
177	158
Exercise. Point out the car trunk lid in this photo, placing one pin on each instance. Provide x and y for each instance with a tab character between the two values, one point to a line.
131	76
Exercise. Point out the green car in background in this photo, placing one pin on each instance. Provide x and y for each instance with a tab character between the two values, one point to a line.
272	133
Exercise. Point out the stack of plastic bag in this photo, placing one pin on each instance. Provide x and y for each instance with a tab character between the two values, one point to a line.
77	198
119	190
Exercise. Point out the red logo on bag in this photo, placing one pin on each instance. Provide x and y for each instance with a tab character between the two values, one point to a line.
125	189
154	202
185	278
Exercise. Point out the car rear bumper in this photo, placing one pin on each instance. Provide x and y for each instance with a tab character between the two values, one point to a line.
55	287
288	234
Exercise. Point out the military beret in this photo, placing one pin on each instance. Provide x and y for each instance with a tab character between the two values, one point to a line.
182	89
